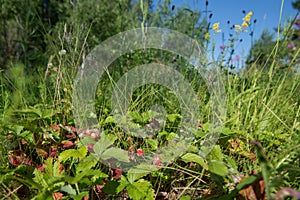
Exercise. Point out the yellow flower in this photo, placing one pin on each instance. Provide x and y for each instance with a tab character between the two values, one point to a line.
207	36
237	28
99	92
245	24
248	17
215	27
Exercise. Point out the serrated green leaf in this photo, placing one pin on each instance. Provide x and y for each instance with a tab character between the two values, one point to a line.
136	116
73	153
56	172
86	163
38	178
87	140
172	117
146	116
48	168
162	133
226	131
206	127
68	189
103	143
191	157
34	111
122	184
87	181
79	196
82	152
26	178
231	162
43	196
193	149
111	187
79	176
141	189
185	198
65	155
116	153
27	135
48	113
200	134
217	167
86	173
170	136
6	173
110	137
109	120
152	143
140	171
97	174
17	129
216	153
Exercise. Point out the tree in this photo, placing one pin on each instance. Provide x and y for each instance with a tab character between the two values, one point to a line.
261	49
296	25
296	4
29	30
262	53
182	19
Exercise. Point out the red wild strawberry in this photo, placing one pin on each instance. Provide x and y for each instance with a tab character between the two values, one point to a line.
57	196
139	152
117	173
40	167
67	143
156	160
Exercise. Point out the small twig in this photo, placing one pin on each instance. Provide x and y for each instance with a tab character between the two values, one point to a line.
187	188
158	187
11	192
276	116
196	177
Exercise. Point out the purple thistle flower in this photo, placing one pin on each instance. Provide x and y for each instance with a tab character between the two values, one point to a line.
291	45
222	47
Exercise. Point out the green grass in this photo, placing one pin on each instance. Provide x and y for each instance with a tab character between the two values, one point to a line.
261	106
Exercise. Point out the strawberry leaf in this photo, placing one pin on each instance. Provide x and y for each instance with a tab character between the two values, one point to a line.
141	189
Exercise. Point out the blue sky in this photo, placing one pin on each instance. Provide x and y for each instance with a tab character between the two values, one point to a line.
267	13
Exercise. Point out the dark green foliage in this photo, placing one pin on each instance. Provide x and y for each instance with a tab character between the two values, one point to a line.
262	49
296	4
